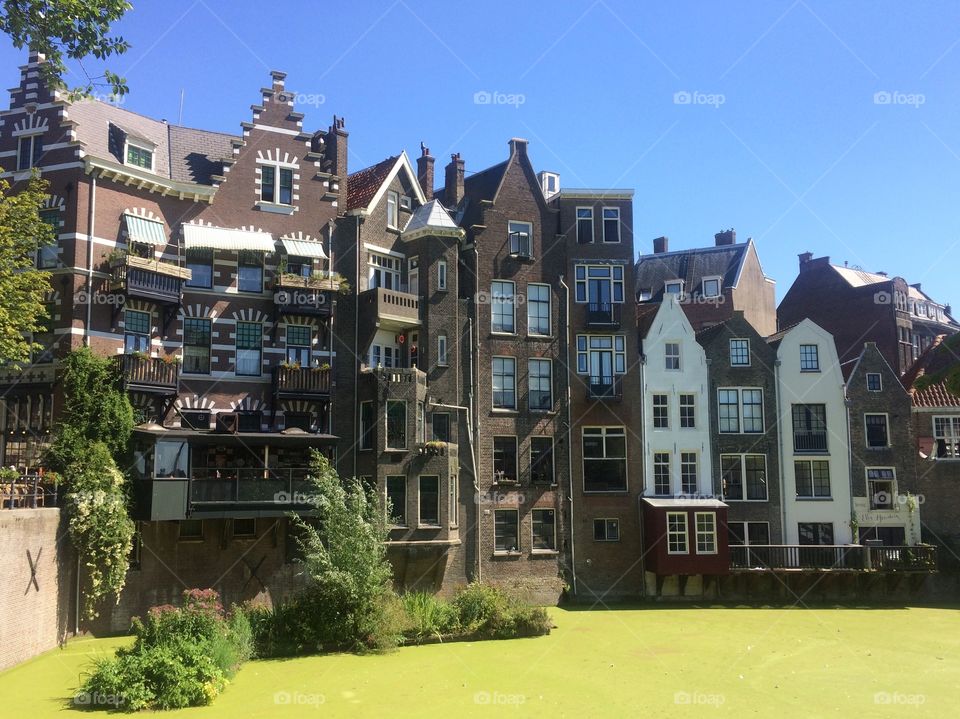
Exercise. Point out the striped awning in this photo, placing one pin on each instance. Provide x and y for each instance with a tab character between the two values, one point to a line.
206	237
141	229
303	248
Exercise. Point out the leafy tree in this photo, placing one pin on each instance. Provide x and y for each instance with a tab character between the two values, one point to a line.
23	288
67	29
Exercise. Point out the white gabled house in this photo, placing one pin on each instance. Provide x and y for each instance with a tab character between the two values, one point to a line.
814	440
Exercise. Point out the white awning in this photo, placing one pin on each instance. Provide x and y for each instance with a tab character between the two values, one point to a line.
141	229
205	237
303	248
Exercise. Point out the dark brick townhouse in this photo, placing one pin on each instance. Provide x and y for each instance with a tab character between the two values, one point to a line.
712	282
743	419
857	306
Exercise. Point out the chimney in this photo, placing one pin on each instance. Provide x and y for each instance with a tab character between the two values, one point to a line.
805	257
881	273
916	287
661	245
518	146
453	181
336	151
948	310
425	171
277	80
725	237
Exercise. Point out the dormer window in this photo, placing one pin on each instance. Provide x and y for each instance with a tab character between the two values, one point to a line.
674	287
276	185
406	203
139	156
644	294
29	151
711	287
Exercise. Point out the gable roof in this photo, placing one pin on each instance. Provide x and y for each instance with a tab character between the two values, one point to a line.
431	219
366	187
691	266
927	378
856	277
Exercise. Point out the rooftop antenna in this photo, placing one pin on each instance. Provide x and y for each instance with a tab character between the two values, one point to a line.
180	117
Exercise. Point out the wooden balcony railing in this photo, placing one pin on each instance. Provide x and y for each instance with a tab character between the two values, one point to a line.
301	380
148	373
152	279
904	559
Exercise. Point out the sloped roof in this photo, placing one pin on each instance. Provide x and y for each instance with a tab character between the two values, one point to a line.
859	278
363	184
775	339
940	358
691	266
431	217
646	314
196	155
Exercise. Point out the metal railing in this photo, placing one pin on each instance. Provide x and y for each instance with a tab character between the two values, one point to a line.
249	485
902	558
797	556
27	491
603	313
810	441
602	387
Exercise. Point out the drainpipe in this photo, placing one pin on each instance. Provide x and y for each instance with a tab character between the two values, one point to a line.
566	329
475	362
846	406
783	469
91	225
643	476
471	409
76	616
356	336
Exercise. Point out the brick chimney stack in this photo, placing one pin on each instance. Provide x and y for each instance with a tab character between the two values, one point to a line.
336	148
805	257
425	171
725	237
518	146
661	245
453	181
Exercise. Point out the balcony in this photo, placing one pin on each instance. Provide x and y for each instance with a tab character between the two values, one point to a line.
850	557
27	491
29	378
392	310
299	295
149	279
291	382
810	442
609	389
603	314
148	374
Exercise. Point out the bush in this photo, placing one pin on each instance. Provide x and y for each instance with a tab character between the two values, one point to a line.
488	613
429	616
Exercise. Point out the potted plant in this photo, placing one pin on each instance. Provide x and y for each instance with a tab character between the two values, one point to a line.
435	447
137	354
116	257
286	364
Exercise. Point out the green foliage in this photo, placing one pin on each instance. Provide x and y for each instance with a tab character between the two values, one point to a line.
181	656
487	612
23	288
67	29
430	616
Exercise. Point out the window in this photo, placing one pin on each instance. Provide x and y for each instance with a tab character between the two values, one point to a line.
393	210
421	427
815	533
504	383
250	272
540	376
661	473
671	353
396	424
740	410
611	224
442	275
606	530
876	426
584	225
299	340
453	499
604	459
740	353
677	533
538	310
384	355
190	529
429	502
504	459
506	530
874	382
706	532
276	184
946	435
442	350
29	151
711	287
739	472
728	401
245	527
752	406
882	487
194	419
812	477
502	307
544	530
200	264
397	499
139	157
673	287
661	411
440	426
366	425
740	533
406	203
383	271
196	345
541	460
688	411
249	421
689	469
809	428
602	357
136	331
298	420
599	286
249	345
809	358
47	254
520	234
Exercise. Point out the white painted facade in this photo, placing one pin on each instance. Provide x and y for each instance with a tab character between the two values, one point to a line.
821	387
671	330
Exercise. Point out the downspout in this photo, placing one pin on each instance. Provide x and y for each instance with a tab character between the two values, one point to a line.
854	537
91	225
566	330
471	408
643	470
356	335
782	458
475	362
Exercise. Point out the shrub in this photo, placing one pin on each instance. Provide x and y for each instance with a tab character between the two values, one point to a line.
487	612
429	616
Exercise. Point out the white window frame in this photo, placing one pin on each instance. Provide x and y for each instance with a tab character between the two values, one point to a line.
420	522
742	457
582	277
549	363
33	162
585	348
879	381
604	219
680	407
613	431
730	347
534	304
384	264
142	147
713	278
711	533
667	355
493	405
871	493
393	210
951	439
607	523
442	275
514	226
816	355
277	168
497	297
655	406
677	283
696	469
676	533
654	464
516	514
442	359
516	457
593	230
543	550
553	457
886	426
741	415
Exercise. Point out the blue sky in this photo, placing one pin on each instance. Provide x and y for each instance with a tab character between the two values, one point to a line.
828	127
